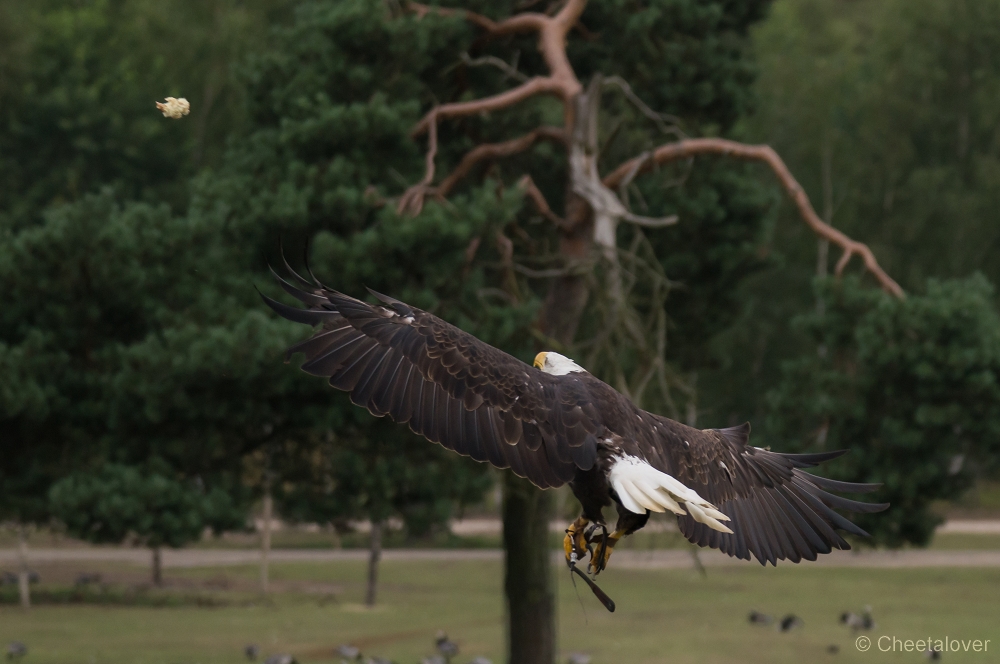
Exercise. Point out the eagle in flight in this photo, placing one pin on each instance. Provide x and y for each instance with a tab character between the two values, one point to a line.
554	423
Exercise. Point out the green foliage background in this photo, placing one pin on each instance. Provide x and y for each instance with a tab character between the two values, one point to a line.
130	244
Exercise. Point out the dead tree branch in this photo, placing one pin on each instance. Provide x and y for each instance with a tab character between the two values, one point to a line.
661	119
561	81
412	201
510	70
696	146
532	191
491	151
534	86
587	183
552	31
650	222
519	23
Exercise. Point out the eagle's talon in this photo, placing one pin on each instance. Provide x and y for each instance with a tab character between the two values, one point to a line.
599	559
575	543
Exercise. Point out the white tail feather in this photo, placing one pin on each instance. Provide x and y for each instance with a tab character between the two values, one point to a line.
641	487
643	497
659	496
626	498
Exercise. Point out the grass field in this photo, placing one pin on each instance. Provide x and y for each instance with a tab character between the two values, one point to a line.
663	616
294	538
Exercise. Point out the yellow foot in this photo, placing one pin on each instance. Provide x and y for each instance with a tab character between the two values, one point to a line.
575	542
601	552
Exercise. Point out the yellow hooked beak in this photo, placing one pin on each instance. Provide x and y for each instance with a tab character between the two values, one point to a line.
540	360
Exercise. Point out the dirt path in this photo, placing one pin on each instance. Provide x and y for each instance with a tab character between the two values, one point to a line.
665	559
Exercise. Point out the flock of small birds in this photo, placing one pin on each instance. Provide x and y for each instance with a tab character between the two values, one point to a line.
856	622
447	651
786	624
348	654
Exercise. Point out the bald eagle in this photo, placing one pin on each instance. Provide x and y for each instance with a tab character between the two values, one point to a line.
554	423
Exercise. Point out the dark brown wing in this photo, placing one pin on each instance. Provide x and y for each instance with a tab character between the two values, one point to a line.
777	510
448	386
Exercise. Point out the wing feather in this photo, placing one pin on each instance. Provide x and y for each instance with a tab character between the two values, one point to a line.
447	385
778	510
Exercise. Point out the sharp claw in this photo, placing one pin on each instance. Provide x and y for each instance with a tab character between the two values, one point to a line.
599	561
575	543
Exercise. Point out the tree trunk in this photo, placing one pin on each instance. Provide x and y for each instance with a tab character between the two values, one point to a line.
23	581
527	510
531	619
265	540
374	555
157	566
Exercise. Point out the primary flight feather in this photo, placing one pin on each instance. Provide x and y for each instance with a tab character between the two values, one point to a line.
554	423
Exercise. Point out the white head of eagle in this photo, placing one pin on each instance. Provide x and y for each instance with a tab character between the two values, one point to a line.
556	364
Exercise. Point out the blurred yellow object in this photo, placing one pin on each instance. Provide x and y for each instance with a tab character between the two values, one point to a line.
174	108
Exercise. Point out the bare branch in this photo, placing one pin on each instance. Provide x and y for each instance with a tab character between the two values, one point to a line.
650	222
552	34
534	86
561	81
519	23
535	194
489	151
691	147
506	248
586	182
412	200
540	274
470	251
660	119
635	165
493	61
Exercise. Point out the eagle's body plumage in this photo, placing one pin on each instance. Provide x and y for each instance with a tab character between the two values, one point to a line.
562	425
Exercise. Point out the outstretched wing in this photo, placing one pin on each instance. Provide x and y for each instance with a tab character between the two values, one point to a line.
777	510
448	386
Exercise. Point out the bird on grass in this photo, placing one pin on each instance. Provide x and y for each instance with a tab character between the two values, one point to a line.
933	655
554	423
790	622
251	651
758	618
858	621
280	659
348	653
445	646
16	650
